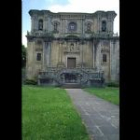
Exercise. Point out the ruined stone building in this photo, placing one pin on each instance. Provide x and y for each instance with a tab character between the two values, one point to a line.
72	48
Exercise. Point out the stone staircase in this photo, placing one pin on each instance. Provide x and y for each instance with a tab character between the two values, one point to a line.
71	77
71	85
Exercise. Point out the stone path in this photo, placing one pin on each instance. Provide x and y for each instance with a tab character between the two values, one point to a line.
100	117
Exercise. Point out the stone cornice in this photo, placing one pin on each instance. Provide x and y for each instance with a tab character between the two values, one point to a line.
71	36
38	12
72	14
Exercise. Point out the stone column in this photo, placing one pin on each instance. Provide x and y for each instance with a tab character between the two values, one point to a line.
59	55
93	57
46	55
83	30
49	53
49	24
43	56
81	52
112	25
99	23
112	61
32	22
95	44
61	52
45	23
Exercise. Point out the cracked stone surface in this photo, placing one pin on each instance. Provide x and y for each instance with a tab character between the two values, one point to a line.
100	117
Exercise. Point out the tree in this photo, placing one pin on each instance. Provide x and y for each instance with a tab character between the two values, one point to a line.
23	56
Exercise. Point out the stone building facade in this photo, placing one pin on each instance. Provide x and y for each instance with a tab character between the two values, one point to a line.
72	47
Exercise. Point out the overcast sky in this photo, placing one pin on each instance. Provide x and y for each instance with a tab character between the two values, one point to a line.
90	6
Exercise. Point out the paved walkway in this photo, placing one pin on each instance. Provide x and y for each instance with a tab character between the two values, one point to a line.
100	117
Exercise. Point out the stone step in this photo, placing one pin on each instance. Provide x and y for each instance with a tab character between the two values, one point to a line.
71	85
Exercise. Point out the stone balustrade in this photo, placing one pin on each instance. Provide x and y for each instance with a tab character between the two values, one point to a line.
60	76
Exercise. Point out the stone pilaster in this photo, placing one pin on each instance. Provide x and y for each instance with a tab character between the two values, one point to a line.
93	56
112	61
45	23
34	23
49	53
43	56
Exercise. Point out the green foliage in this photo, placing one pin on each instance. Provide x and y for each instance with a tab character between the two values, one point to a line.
48	114
30	82
23	56
110	94
113	84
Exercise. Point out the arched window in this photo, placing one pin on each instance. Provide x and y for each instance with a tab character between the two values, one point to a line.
40	24
103	26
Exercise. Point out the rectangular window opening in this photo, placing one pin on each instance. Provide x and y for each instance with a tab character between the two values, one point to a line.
38	58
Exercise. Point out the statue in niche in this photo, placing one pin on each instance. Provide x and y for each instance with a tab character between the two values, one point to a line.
55	26
40	24
88	27
103	26
71	47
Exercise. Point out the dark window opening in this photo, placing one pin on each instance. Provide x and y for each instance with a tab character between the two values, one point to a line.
103	26
104	58
38	57
40	24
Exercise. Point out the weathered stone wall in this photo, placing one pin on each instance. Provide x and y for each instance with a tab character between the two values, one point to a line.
61	51
105	66
57	50
81	19
87	54
32	65
114	49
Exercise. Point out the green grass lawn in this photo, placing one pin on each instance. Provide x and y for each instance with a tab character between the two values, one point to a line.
110	94
48	114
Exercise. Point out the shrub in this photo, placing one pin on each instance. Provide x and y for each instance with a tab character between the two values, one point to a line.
113	84
30	82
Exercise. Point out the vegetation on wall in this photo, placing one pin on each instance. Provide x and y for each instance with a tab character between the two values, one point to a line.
113	84
30	82
23	56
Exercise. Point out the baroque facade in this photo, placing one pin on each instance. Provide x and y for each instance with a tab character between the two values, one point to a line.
72	48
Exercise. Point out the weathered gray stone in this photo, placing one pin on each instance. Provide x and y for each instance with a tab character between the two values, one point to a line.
73	35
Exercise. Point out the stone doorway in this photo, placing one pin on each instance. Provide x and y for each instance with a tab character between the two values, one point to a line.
71	62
